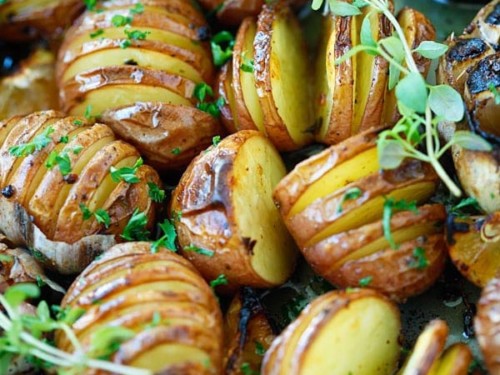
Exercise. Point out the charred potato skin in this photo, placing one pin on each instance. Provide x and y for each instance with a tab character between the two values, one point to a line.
46	22
486	324
197	306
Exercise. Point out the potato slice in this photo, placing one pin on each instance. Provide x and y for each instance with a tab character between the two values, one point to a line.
168	136
334	213
456	360
280	65
486	324
183	334
25	20
331	328
417	28
224	90
365	254
248	109
427	350
248	333
485	25
217	200
474	247
32	88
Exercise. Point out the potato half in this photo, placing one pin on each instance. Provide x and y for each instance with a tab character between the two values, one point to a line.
125	62
456	360
70	169
324	337
24	20
474	247
248	333
364	253
485	25
224	201
486	325
161	298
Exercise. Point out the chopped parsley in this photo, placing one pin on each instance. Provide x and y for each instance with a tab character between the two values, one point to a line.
365	281
102	217
38	143
62	160
155	193
64	139
127	174
222	45
87	214
419	260
96	33
135	230
168	238
259	349
119	20
352	193
215	140
390	207
220	280
136	34
88	112
176	151
495	91
246	369
247	65
199	250
201	92
90	4
137	9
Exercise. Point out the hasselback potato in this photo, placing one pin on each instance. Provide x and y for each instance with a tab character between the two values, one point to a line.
138	67
65	187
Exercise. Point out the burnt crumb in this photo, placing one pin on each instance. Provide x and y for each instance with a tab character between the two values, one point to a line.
203	33
484	74
8	191
466	49
70	178
494	17
131	62
249	244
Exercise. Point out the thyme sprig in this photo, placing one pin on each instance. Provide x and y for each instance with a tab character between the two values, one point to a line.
422	105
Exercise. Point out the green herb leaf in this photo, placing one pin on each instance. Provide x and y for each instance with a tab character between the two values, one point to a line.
394	75
137	9
216	140
220	280
87	214
201	91
495	91
222	45
119	20
471	141
390	207
125	43
90	4
135	230
64	139
168	238
468	203
247	65
102	217
352	193
431	50
366	32
136	34
365	281
38	143
155	193
88	112
343	9
127	174
96	33
4	258
176	151
246	369
412	92
393	47
316	4
259	349
106	340
446	103
199	250
18	293
419	260
391	153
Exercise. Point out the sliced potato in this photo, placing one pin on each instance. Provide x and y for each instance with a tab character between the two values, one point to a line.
486	324
24	20
248	333
427	349
280	66
348	258
474	247
53	196
218	199
333	327
485	25
224	90
456	360
171	332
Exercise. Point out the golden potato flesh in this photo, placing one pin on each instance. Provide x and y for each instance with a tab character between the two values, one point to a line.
339	333
474	247
70	169
224	201
173	312
281	63
486	324
456	360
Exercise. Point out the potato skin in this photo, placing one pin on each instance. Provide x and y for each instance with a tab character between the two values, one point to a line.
196	320
22	21
486	325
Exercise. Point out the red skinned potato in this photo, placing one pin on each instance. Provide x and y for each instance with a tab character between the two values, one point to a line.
339	333
486	324
25	20
161	298
55	175
227	222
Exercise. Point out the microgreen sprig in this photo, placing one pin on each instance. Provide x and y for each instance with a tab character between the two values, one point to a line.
422	105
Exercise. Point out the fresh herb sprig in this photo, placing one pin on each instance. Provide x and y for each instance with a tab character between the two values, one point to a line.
422	106
23	335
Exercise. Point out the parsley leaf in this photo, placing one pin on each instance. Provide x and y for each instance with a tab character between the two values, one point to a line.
136	34
391	206
87	214
102	217
220	280
247	65
352	193
126	174
137	9
38	143
96	33
365	281
199	250
155	193
222	45
119	20
135	230
419	260
168	238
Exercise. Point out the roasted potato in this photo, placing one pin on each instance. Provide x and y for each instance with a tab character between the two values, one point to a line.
474	247
233	12
224	206
56	174
125	62
348	258
485	25
32	88
161	298
23	20
248	334
486	324
339	333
